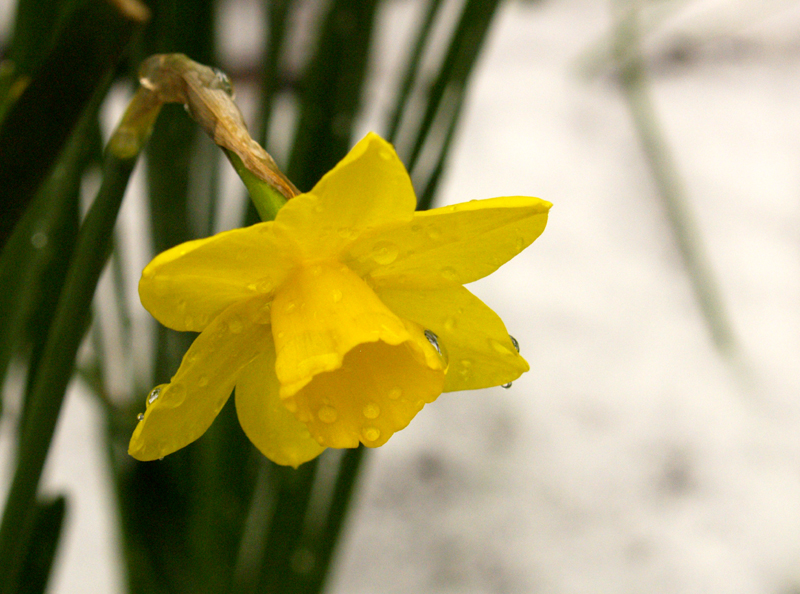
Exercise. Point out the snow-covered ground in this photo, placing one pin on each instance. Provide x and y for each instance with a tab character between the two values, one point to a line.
631	458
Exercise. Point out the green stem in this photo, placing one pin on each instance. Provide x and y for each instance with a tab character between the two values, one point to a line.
267	200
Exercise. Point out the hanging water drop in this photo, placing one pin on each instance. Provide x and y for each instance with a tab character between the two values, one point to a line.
140	416
153	396
514	342
434	340
506	386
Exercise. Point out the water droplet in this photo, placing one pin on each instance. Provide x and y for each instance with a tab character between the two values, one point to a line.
384	253
154	394
188	322
202	381
316	270
371	433
280	334
434	340
395	393
371	411
434	234
450	323
385	154
140	416
336	295
290	404
148	272
465	368
221	81
289	307
499	347
235	325
252	287
327	414
449	274
506	386
182	305
520	244
514	342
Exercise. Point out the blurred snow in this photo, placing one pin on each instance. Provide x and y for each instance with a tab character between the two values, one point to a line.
631	458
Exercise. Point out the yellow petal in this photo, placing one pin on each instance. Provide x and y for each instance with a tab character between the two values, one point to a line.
340	350
187	286
477	343
186	407
320	313
449	246
369	188
376	392
266	421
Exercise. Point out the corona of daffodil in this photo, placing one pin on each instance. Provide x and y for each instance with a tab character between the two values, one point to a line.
339	320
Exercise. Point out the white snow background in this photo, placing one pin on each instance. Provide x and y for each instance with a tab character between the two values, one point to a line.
632	457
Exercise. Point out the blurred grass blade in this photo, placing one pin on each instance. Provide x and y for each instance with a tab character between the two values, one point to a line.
69	324
324	542
40	121
36	28
35	259
332	87
273	51
286	528
448	89
668	181
45	535
412	69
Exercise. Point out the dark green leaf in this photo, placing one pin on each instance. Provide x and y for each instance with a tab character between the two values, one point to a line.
40	121
45	534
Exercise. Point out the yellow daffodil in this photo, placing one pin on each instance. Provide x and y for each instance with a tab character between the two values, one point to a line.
339	320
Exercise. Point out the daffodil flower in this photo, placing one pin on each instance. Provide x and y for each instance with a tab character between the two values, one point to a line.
339	320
